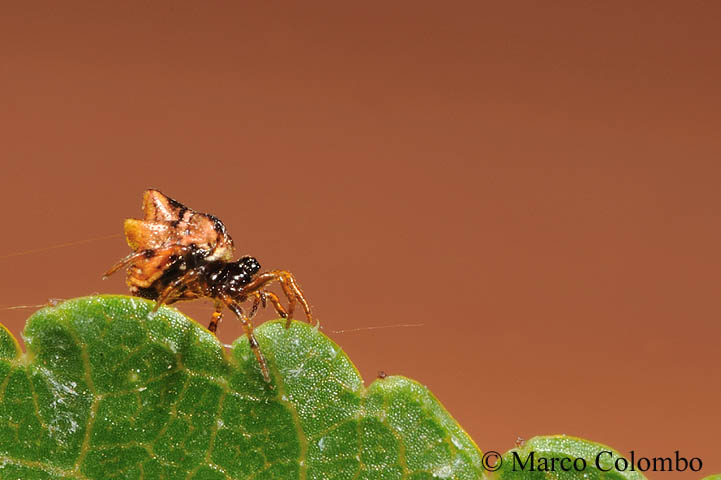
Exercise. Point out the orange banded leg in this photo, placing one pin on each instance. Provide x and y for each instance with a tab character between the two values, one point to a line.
217	317
248	327
261	298
290	288
173	288
144	253
124	262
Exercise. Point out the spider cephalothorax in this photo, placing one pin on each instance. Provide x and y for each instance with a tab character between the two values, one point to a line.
180	254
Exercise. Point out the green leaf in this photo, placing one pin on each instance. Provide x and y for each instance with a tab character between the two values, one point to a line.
553	456
108	389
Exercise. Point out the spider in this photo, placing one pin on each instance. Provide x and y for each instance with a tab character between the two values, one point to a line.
180	254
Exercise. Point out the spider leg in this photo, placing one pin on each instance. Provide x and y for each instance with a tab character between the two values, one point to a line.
273	298
258	298
263	297
248	327
217	317
290	287
125	261
173	288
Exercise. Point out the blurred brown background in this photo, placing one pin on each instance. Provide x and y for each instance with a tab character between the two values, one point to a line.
537	185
